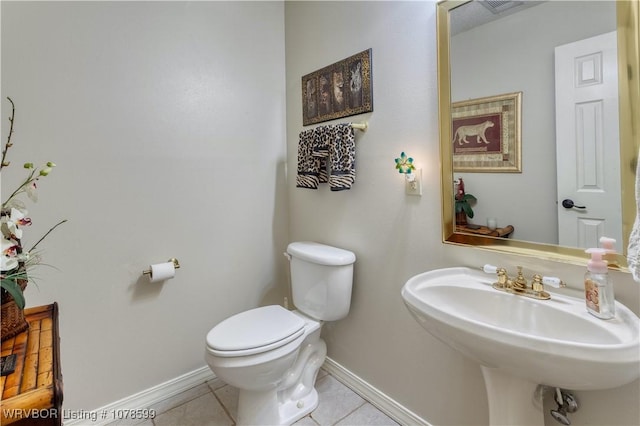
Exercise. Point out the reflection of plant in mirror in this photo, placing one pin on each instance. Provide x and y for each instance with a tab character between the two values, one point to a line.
463	202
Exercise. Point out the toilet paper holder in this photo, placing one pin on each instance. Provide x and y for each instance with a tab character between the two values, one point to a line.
175	262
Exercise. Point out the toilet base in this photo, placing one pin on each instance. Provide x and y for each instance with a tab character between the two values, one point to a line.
262	408
293	411
294	398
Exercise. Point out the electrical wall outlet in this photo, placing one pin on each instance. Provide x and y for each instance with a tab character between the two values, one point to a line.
414	187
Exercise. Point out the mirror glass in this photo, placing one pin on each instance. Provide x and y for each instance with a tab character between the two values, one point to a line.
533	117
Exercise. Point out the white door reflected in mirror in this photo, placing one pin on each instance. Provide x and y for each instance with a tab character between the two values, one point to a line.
588	141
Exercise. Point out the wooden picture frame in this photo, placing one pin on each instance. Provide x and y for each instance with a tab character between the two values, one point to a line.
339	90
487	134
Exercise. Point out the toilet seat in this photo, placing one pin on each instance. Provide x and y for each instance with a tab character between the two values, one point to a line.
254	331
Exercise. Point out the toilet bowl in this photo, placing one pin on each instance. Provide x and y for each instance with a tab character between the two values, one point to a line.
275	380
272	355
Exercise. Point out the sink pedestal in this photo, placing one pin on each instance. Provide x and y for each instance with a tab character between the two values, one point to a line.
511	399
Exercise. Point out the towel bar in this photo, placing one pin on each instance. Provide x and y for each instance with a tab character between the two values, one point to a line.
360	126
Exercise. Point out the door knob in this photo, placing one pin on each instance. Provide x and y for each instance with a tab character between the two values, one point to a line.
568	204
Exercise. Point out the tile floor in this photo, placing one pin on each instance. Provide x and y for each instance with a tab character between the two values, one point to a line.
215	404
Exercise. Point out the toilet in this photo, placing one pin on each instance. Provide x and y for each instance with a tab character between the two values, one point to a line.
272	355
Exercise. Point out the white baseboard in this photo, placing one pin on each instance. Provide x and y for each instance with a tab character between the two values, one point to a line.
380	400
154	395
145	399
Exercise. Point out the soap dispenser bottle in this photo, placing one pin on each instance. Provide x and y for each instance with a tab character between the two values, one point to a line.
598	287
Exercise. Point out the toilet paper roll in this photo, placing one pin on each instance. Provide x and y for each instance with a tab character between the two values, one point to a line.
162	271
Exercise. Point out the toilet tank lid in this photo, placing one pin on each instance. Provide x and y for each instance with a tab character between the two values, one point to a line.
321	254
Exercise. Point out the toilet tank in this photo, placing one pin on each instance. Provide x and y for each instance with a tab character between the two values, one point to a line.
321	279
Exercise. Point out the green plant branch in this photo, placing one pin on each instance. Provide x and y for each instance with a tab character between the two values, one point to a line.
9	283
463	204
9	144
45	235
20	189
15	291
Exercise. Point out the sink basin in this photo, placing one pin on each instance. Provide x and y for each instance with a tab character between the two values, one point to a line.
553	342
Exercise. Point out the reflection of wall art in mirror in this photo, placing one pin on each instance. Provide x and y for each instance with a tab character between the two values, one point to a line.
628	30
338	90
486	134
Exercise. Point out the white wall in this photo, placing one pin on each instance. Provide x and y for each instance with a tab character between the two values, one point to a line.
166	121
502	56
393	235
396	236
149	108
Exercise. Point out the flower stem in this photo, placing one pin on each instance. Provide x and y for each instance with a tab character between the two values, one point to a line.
45	235
26	182
8	145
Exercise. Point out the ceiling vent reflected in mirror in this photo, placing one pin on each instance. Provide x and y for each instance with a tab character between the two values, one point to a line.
499	6
480	12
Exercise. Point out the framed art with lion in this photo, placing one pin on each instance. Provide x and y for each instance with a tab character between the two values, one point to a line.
487	134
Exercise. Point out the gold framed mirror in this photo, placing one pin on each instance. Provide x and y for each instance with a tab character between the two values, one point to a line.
626	17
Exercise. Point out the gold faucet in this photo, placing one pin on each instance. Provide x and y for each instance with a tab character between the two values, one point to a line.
536	284
520	283
503	279
520	286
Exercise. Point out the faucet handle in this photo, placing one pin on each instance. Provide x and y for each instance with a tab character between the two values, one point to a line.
553	282
503	280
536	284
489	269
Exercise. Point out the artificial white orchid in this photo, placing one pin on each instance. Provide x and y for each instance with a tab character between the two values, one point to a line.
11	223
9	255
15	259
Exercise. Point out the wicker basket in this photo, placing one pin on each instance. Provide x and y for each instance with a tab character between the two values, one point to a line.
13	322
12	317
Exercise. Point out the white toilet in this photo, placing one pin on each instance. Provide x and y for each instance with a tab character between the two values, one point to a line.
272	355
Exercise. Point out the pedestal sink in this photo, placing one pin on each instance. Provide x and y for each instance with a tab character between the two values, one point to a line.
521	342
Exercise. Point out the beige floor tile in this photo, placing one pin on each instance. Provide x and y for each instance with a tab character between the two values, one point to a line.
216	404
216	383
131	422
321	373
367	415
306	421
181	398
228	395
336	401
202	411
